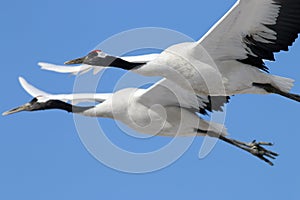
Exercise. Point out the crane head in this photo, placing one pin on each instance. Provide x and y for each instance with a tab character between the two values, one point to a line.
34	104
45	103
37	103
101	59
95	57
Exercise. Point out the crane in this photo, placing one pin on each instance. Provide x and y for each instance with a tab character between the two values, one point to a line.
173	113
227	60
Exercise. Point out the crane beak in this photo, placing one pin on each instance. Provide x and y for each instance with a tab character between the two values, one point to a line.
18	109
75	61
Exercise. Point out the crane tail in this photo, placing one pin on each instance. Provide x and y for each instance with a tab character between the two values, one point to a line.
282	83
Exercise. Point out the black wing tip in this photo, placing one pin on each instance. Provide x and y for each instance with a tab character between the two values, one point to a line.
215	103
287	29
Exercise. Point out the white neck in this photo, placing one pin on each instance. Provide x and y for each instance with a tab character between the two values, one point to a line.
100	110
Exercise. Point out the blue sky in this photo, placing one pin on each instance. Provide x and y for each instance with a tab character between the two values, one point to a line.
42	156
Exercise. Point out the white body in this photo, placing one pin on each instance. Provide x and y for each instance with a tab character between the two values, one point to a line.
209	76
153	120
137	109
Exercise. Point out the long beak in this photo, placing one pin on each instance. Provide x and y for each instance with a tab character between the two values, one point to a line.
18	109
75	61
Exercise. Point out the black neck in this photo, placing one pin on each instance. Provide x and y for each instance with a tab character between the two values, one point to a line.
123	64
57	104
112	61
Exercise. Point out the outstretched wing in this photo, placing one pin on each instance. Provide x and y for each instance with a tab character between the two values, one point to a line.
81	69
74	98
253	30
30	89
168	93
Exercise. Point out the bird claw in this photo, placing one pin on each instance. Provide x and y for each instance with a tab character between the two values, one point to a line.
261	143
257	149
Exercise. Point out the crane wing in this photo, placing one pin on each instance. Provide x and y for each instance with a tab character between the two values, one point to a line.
81	69
168	93
253	30
30	89
74	98
140	58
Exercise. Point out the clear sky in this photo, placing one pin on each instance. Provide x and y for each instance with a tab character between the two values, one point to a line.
42	156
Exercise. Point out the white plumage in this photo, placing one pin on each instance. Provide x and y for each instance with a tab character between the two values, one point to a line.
173	113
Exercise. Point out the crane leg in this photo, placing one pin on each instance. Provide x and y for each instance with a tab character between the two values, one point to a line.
271	89
255	148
